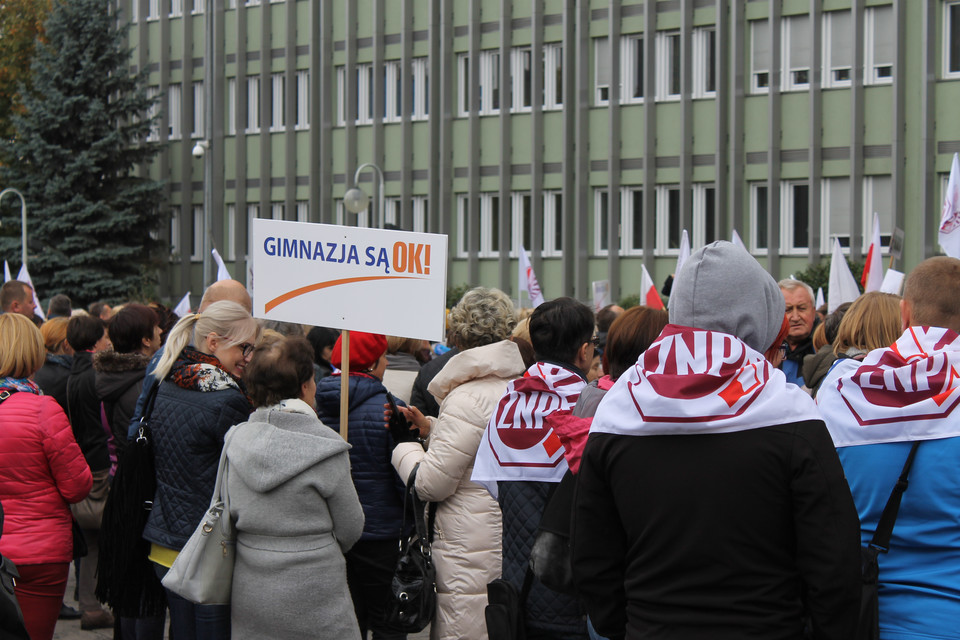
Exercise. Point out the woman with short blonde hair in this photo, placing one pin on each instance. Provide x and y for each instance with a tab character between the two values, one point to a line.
871	322
43	472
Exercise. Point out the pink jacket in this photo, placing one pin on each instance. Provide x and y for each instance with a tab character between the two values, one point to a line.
41	471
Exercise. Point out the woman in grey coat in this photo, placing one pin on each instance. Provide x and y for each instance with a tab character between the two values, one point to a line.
294	505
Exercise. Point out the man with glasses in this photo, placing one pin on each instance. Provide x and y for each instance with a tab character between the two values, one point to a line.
802	316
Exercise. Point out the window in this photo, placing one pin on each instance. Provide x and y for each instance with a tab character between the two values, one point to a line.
341	96
835	220
521	61
231	106
462	231
795	217
704	62
303	100
196	241
253	105
463	85
759	217
347	219
486	98
837	48
631	68
951	40
229	233
392	91
521	226
601	222
277	210
153	9
364	75
796	52
250	3
552	76
303	211
668	65
174	99
877	198
420	89
253	212
631	221
197	130
419	207
760	55
668	220
601	59
489	205
197	7
134	10
880	45
175	233
176	8
277	89
705	228
152	111
552	224
421	213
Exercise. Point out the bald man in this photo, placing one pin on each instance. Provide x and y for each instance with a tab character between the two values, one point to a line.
230	290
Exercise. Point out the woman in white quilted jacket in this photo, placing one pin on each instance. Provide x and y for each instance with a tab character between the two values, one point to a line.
467	532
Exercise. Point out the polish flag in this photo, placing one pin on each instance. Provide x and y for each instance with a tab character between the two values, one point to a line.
648	291
684	252
528	280
872	276
950	219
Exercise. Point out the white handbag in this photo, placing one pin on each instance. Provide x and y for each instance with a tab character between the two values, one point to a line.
203	571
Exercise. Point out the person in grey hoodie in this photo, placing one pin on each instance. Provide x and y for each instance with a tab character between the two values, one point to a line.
294	506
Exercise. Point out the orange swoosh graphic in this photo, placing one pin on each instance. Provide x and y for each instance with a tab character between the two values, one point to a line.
290	295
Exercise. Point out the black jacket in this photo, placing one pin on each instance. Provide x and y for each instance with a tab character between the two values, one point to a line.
720	536
52	378
419	396
83	409
119	380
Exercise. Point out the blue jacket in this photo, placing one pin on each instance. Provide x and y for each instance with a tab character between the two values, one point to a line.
919	576
379	487
188	428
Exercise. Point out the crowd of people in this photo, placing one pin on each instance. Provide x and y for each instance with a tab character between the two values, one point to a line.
713	471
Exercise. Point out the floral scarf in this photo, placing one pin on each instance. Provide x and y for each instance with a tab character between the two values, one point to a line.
12	385
198	371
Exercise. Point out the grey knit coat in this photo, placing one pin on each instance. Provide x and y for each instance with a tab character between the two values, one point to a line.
296	513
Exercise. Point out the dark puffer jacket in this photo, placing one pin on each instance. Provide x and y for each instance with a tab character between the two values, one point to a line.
188	428
83	409
522	505
119	380
52	377
379	487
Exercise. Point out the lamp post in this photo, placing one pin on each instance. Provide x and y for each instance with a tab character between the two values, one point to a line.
355	200
202	150
23	222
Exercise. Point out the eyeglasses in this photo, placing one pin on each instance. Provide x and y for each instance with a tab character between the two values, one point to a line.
595	341
246	349
784	347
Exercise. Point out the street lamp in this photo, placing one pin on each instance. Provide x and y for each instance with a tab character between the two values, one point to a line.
355	200
23	222
201	150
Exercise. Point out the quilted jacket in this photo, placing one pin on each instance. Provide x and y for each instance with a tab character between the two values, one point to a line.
378	485
41	471
466	547
522	504
188	427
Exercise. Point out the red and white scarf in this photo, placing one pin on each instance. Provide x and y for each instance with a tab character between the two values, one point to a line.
517	444
905	392
693	381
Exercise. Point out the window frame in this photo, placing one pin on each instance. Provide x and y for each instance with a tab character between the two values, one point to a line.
787	37
871	70
755	188
552	67
755	72
174	106
628	221
705	43
302	94
632	75
828	79
254	121
601	218
662	211
668	65
601	99
552	223
196	233
788	214
947	73
521	67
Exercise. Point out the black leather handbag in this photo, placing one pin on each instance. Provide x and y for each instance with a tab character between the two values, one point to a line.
413	590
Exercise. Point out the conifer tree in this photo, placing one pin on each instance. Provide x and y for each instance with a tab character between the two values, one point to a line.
83	131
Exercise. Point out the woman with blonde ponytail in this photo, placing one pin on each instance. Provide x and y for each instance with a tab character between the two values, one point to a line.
201	396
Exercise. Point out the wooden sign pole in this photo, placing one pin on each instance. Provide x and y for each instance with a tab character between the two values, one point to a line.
344	381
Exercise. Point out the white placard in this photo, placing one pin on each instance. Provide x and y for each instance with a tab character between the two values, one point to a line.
892	282
601	294
372	280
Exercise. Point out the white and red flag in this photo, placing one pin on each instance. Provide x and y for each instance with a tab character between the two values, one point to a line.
528	280
684	252
908	391
950	218
183	307
872	276
648	291
843	287
517	443
697	381
24	276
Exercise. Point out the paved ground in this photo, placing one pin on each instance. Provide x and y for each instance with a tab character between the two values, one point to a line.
70	629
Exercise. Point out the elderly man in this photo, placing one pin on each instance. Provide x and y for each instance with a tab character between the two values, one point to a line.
710	500
901	401
17	297
802	316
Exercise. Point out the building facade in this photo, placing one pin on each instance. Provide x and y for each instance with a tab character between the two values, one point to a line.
590	133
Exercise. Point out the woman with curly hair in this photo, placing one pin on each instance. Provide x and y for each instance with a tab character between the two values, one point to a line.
466	547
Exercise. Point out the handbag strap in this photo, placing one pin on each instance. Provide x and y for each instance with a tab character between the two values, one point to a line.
6	393
143	427
422	525
881	537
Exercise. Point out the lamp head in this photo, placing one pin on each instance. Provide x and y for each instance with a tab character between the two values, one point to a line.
355	200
